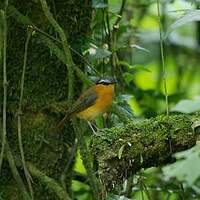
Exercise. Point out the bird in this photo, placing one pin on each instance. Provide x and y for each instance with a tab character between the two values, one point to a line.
93	102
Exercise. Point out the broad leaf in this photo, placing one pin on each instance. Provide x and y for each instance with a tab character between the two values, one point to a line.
117	197
190	16
187	106
99	4
139	47
186	168
134	46
96	53
134	67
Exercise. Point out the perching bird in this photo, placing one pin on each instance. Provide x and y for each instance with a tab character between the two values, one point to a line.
93	101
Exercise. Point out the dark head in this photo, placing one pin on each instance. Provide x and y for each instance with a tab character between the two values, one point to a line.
106	80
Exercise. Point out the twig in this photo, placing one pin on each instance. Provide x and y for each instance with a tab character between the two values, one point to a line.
120	13
47	41
146	189
49	182
72	49
80	177
69	62
27	175
112	36
163	59
15	173
69	162
182	193
5	83
5	146
85	155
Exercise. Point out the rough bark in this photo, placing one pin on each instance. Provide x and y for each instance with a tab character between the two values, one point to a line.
45	92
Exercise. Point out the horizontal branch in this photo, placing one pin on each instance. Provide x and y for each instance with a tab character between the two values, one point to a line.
122	151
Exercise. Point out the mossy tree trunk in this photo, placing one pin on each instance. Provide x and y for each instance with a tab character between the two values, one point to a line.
45	90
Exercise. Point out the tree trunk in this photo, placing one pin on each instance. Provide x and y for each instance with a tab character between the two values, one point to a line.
45	93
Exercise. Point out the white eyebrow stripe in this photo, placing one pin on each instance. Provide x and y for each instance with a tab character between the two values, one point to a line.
104	81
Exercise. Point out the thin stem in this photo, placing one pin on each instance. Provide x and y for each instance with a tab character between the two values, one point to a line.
59	53
5	146
54	13
142	193
58	41
182	193
163	58
80	177
69	162
85	155
69	61
113	38
146	190
15	173
120	12
5	83
27	175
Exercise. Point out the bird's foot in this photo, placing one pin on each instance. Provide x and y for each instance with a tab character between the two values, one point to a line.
93	127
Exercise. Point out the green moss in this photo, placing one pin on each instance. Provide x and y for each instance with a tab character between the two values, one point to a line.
44	88
120	152
8	192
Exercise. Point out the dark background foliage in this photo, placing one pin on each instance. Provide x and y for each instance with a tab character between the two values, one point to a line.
155	58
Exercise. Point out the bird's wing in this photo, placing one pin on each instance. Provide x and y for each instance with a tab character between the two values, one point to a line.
84	101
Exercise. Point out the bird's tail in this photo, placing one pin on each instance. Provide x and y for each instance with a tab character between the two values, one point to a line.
60	125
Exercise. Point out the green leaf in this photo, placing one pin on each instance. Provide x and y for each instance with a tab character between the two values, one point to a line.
128	77
124	97
99	4
116	197
139	47
141	68
123	105
121	151
134	46
186	168
134	67
190	16
124	63
96	53
187	106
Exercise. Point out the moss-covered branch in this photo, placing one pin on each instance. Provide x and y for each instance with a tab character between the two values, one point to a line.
121	152
15	173
49	182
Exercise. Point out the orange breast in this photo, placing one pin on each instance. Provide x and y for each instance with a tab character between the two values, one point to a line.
105	97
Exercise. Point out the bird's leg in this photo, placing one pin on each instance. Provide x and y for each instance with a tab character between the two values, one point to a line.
105	120
90	125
